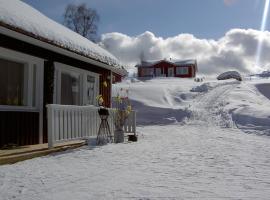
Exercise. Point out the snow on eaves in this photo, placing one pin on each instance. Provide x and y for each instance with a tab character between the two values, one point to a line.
20	16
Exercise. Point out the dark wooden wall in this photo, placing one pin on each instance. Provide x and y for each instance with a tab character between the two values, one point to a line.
17	45
19	128
25	134
116	78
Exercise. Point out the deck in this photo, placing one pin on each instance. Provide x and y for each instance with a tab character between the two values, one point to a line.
13	155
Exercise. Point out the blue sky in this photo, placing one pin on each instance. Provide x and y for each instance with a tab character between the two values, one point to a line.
209	19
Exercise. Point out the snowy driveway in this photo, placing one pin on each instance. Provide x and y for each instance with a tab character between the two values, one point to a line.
169	162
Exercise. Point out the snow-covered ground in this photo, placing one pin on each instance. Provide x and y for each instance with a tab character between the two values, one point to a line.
192	145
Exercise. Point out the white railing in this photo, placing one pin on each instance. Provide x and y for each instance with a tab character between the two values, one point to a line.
66	123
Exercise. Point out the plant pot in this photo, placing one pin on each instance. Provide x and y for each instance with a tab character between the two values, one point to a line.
119	136
103	111
133	138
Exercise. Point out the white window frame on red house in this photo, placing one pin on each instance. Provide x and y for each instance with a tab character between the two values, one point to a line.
83	83
33	93
147	71
158	71
170	71
182	70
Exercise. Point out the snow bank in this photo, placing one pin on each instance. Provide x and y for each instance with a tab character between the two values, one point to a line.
202	88
264	88
159	100
249	107
19	15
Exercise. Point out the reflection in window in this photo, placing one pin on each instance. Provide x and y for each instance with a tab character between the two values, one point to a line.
147	72
90	90
12	83
70	93
158	71
182	70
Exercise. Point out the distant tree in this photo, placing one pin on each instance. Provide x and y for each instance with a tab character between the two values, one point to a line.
82	19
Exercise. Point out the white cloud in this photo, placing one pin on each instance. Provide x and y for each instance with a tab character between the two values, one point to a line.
234	51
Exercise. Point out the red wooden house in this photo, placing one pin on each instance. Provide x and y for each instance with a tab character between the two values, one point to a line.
168	68
43	62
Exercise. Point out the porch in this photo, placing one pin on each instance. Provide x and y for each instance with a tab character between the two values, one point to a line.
69	127
16	154
69	122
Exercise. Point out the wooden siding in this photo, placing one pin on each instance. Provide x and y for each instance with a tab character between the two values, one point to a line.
48	94
116	78
19	128
32	136
30	49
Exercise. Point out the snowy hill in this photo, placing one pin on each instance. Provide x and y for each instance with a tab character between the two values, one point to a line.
230	103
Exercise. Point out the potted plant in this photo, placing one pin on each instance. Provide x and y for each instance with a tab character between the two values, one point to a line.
122	111
104	134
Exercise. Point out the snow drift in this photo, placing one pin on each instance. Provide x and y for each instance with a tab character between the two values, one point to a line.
226	103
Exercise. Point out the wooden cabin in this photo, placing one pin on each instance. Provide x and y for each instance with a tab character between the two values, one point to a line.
43	62
168	68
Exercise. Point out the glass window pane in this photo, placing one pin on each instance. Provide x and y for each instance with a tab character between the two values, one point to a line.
70	92
90	90
12	84
34	84
158	71
182	70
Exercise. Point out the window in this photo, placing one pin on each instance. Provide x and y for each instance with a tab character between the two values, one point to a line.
147	72
70	90
170	72
90	88
182	70
158	71
17	83
75	86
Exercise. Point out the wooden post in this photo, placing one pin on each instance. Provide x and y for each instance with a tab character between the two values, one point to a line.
134	122
50	117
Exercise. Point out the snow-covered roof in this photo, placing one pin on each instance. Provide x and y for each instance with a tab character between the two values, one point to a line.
150	63
20	17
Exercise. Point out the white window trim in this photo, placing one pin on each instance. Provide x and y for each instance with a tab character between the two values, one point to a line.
179	70
30	61
158	69
172	70
59	68
147	71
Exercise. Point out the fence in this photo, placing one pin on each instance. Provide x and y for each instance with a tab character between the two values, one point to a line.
68	122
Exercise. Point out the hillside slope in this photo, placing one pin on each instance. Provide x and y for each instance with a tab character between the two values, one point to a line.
227	103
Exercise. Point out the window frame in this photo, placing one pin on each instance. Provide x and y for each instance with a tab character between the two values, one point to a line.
32	88
180	70
148	71
59	68
158	69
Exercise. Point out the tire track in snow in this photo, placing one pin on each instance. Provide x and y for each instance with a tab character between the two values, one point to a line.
209	107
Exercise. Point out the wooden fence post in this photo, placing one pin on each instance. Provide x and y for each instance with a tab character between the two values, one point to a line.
50	117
